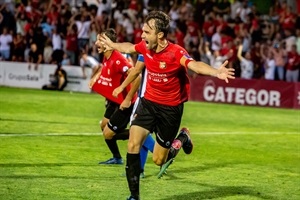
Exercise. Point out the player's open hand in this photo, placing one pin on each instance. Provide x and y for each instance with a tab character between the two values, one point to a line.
106	42
225	73
117	91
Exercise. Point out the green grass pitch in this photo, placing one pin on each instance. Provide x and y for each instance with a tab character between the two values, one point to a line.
50	146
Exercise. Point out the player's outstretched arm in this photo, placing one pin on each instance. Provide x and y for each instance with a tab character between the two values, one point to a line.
133	74
124	47
198	67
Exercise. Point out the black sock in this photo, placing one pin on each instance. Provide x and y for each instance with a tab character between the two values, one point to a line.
124	135
133	170
113	147
183	138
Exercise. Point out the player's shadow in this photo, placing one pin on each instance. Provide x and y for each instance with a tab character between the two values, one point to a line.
174	173
220	192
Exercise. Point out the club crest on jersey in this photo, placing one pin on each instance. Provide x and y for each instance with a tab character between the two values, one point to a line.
118	62
162	65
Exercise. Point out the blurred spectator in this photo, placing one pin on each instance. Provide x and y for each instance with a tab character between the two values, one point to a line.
35	57
83	27
280	59
223	8
216	40
298	40
290	39
234	7
47	27
48	50
71	44
88	61
293	65
58	80
18	48
56	40
268	62
246	64
127	25
5	42
66	60
216	59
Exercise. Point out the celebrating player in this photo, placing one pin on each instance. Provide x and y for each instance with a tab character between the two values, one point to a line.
167	89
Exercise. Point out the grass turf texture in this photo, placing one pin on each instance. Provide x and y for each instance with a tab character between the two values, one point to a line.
239	152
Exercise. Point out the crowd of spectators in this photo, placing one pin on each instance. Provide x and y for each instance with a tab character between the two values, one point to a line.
258	46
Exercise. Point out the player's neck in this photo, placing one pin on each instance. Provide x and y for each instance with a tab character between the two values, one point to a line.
107	54
162	44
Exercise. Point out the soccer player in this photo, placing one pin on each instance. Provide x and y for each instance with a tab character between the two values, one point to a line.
149	142
167	89
118	110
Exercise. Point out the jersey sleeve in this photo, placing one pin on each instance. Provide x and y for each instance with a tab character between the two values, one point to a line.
122	64
141	47
181	52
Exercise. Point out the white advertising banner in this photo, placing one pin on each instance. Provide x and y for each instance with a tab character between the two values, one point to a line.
16	74
2	71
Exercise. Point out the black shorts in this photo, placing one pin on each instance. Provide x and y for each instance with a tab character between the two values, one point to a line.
160	119
118	119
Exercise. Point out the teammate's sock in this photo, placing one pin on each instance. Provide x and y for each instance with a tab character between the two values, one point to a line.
143	157
124	135
113	147
133	170
149	143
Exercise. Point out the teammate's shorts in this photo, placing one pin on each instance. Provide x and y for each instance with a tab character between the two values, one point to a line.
118	119
163	120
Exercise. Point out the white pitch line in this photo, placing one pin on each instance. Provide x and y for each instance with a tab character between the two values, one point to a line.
96	134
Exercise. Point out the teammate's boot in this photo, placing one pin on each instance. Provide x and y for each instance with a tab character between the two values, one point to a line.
188	145
132	198
142	175
164	167
112	161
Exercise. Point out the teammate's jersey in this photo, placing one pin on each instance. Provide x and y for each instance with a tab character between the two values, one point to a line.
167	79
113	73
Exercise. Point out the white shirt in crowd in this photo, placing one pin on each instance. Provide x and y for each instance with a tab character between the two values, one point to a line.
270	69
83	29
89	62
5	41
56	41
247	68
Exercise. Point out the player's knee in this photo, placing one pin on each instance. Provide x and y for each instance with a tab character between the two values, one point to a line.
108	135
133	147
158	161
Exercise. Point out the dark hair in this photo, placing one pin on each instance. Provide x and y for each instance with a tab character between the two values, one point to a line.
162	21
111	34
